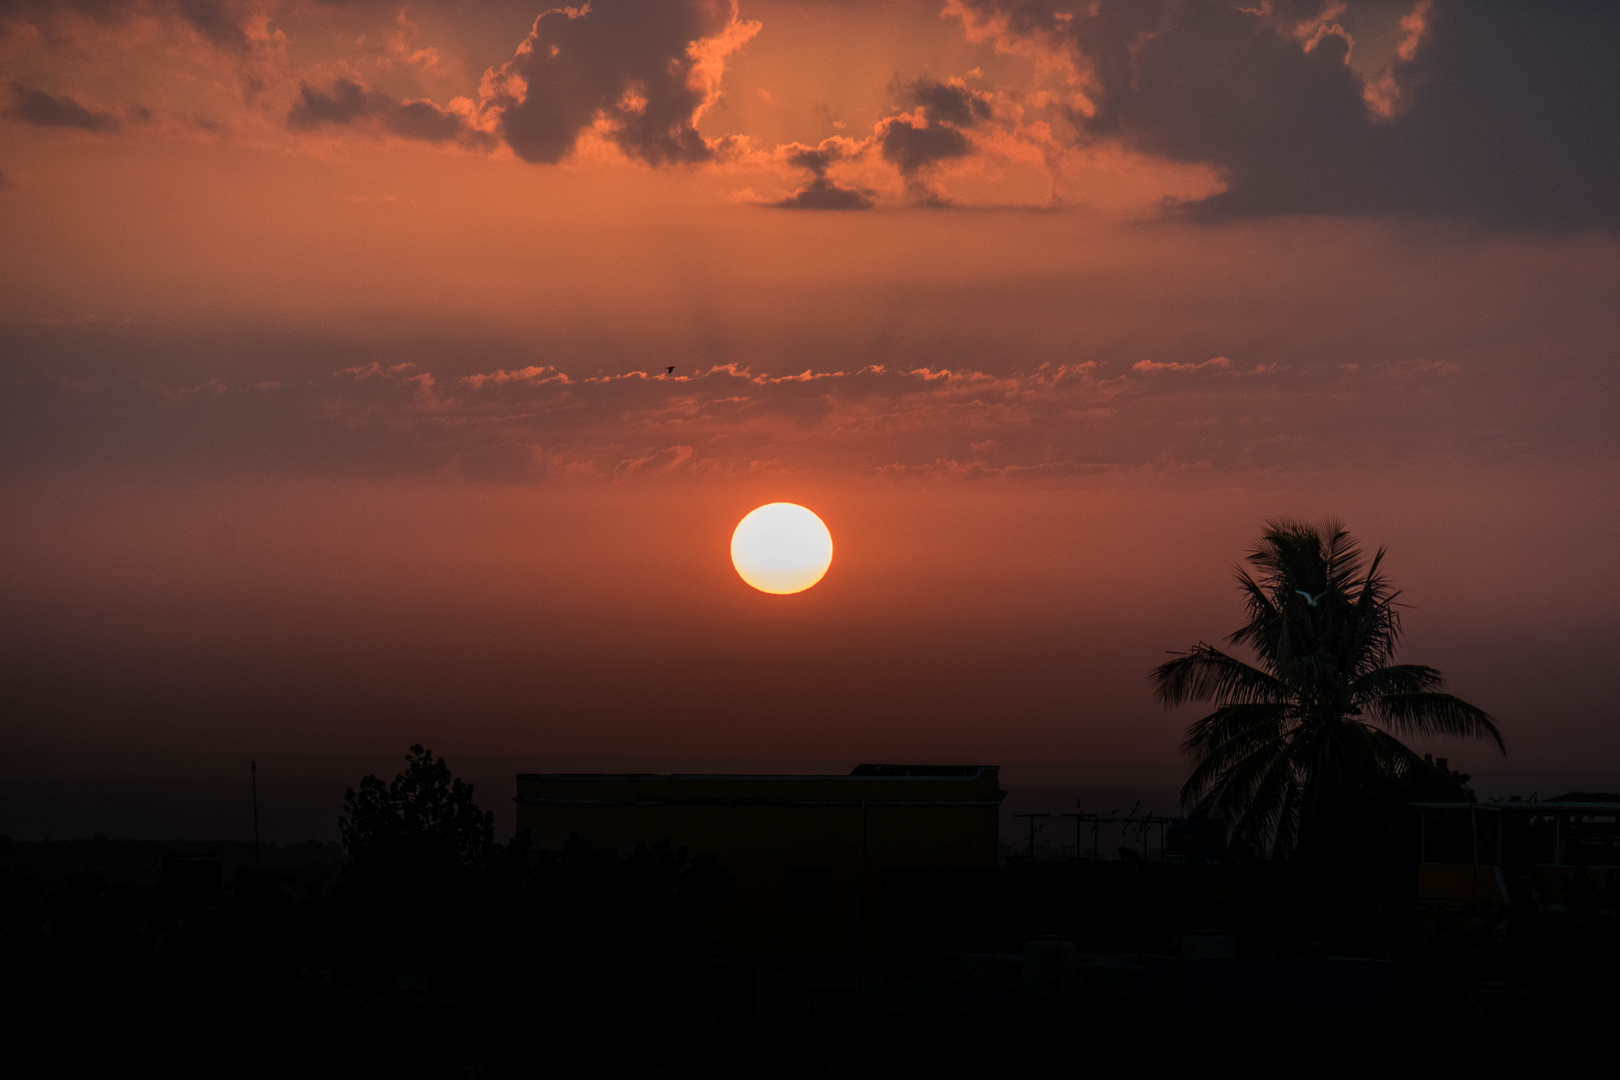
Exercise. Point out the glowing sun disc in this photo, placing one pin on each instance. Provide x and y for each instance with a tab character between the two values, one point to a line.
781	548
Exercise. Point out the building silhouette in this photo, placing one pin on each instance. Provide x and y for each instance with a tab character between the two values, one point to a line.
887	859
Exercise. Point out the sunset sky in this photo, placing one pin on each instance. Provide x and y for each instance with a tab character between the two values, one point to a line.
333	340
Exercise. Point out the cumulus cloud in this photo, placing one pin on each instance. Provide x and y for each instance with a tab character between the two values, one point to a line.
12	11
640	75
197	56
349	103
949	102
1213	109
220	21
33	106
912	144
226	23
823	192
932	132
928	132
1501	113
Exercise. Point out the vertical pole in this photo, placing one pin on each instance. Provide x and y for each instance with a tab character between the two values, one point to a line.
258	865
1473	833
1423	835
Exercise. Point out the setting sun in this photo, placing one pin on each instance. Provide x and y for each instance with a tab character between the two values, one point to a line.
781	548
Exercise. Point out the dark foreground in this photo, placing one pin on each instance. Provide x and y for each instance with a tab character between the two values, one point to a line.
586	963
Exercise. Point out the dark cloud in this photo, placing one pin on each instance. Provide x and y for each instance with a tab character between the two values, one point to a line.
911	147
949	103
818	159
822	192
347	103
217	20
648	70
1513	117
106	11
222	22
33	106
914	142
1505	112
423	120
350	103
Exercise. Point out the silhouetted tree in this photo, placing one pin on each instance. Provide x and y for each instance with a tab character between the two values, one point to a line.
1301	738
421	830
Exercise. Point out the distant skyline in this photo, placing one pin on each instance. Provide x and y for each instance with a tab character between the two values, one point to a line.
335	412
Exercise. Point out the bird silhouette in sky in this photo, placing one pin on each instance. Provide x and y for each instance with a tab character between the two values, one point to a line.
670	370
1309	599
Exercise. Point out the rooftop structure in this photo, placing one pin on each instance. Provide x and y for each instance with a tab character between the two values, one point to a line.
1539	851
885	858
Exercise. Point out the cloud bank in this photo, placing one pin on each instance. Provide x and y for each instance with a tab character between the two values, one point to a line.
1491	113
533	422
350	104
1494	112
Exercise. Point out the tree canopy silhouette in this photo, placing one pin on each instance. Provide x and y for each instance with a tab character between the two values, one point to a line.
1307	730
422	825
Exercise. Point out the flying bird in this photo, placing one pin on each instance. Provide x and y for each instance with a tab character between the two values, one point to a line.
670	370
1309	599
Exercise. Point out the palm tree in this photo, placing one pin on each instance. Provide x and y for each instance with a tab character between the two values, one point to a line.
1299	735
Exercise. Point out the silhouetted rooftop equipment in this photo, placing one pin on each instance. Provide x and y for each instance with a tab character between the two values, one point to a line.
1180	839
1577	829
1539	852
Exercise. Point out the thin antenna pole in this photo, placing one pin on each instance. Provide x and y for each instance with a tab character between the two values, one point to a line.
258	865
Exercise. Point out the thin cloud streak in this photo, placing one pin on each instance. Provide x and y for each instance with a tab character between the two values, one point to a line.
538	422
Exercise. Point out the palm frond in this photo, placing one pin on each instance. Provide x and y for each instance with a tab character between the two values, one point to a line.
1292	740
1204	672
1395	679
1377	627
1266	813
1265	619
1225	786
1289	818
1395	758
1435	714
1246	724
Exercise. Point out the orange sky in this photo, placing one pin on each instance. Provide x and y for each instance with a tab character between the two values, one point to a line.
331	415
